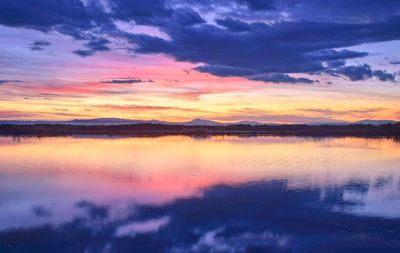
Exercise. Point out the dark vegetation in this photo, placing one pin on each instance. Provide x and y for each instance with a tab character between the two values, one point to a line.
357	130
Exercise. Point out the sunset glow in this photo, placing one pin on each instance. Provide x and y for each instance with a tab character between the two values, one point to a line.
107	63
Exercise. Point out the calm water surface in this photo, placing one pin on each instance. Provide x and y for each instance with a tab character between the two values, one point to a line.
182	194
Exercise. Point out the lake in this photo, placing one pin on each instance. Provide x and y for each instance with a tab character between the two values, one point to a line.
183	194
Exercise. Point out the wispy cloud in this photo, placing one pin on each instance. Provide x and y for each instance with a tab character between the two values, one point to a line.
140	108
10	81
127	81
39	45
361	113
14	114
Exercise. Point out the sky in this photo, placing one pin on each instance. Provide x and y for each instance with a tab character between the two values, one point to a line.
282	61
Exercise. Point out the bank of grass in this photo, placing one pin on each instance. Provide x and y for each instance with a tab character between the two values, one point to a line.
356	130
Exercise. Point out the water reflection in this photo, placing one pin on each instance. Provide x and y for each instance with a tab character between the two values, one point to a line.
253	217
177	194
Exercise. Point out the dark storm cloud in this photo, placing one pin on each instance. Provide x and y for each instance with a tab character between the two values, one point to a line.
70	17
307	47
281	78
258	5
98	44
145	12
335	57
341	10
288	37
355	73
233	25
362	72
187	17
224	71
154	12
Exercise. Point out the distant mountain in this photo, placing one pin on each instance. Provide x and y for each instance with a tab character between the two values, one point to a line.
202	122
153	121
32	122
331	123
105	121
375	122
195	122
253	123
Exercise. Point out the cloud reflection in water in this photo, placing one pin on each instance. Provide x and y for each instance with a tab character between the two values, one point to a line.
262	216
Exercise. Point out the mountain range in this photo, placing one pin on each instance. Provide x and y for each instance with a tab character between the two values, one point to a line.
194	122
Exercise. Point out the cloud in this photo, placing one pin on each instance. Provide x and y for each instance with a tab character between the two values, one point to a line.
360	113
362	72
258	5
127	81
225	71
243	38
281	78
281	118
142	227
98	44
233	25
383	75
13	114
79	20
355	73
36	48
267	116
71	17
141	108
308	46
39	45
341	11
10	81
260	216
256	223
144	12
84	53
93	210
94	45
40	211
187	17
394	62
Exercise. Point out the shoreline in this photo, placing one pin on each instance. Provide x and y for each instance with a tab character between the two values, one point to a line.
371	131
